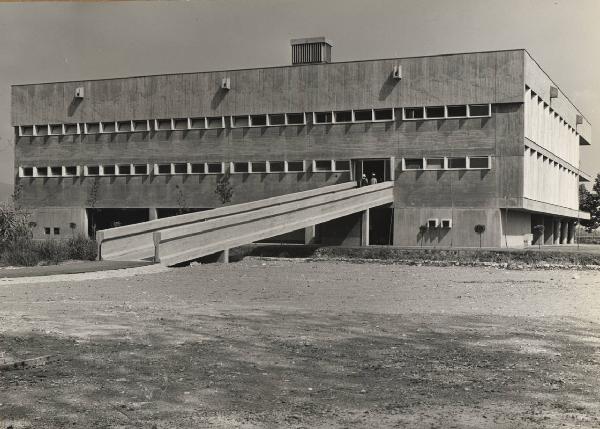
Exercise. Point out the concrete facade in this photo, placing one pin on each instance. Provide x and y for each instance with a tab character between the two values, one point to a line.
484	160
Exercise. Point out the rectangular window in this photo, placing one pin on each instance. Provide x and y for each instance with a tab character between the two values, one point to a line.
240	121
479	110
56	231
240	167
27	171
457	162
197	123
162	124
323	165
479	162
384	114
295	118
215	122
214	168
343	116
92	170
322	117
278	119
259	167
164	169
276	166
434	163
71	170
124	126
26	130
342	165
413	163
56	129
41	130
180	168
258	120
140	125
41	171
109	127
435	112
363	115
295	166
180	124
71	129
108	170
47	231
55	171
124	169
197	168
446	223
413	113
140	169
457	111
92	127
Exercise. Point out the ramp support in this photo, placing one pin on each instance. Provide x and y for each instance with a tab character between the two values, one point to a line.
224	256
310	233
364	230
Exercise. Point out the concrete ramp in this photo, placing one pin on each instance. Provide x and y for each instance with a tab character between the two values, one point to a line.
186	237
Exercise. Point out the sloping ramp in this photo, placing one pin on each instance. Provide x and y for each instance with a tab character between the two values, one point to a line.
183	238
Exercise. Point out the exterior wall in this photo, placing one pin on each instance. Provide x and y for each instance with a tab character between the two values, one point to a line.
490	77
462	233
69	220
516	228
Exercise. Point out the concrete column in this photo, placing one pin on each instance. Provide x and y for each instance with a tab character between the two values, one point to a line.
548	230
557	231
364	236
224	256
309	234
152	213
571	233
564	232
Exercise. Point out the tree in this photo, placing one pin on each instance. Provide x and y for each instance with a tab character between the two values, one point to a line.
590	202
422	231
224	189
539	232
480	229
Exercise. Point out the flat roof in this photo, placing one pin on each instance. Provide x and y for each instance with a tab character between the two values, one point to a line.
276	67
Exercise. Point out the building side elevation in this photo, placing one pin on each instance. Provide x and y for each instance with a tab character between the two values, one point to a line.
475	138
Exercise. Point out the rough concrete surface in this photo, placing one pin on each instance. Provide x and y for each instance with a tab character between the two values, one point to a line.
305	344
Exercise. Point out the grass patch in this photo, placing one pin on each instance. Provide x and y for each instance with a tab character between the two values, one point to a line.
26	252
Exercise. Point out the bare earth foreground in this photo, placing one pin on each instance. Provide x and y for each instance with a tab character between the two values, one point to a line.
305	344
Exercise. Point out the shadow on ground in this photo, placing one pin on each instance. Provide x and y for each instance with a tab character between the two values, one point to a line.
310	370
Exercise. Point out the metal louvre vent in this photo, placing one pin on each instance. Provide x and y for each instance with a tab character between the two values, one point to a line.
310	51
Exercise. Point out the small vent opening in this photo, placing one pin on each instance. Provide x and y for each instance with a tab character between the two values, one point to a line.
313	50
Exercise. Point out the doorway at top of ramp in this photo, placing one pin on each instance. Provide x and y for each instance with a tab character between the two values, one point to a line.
381	167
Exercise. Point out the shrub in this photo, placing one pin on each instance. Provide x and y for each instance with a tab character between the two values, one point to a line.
14	225
21	252
82	248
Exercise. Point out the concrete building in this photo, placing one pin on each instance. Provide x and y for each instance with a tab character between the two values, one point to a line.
482	138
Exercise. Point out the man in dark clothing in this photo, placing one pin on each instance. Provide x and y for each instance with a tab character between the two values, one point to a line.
364	181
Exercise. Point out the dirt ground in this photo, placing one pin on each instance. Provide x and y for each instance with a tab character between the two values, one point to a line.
305	344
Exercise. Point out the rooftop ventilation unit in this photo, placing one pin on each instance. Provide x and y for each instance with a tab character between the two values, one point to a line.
314	50
79	92
226	83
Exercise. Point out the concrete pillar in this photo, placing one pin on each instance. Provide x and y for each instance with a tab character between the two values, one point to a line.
364	236
152	213
571	233
548	230
309	234
564	232
557	231
224	256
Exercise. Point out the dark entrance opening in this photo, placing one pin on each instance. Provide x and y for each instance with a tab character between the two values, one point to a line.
379	167
381	225
168	212
105	218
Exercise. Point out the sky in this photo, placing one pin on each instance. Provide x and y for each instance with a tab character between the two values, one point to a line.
48	41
